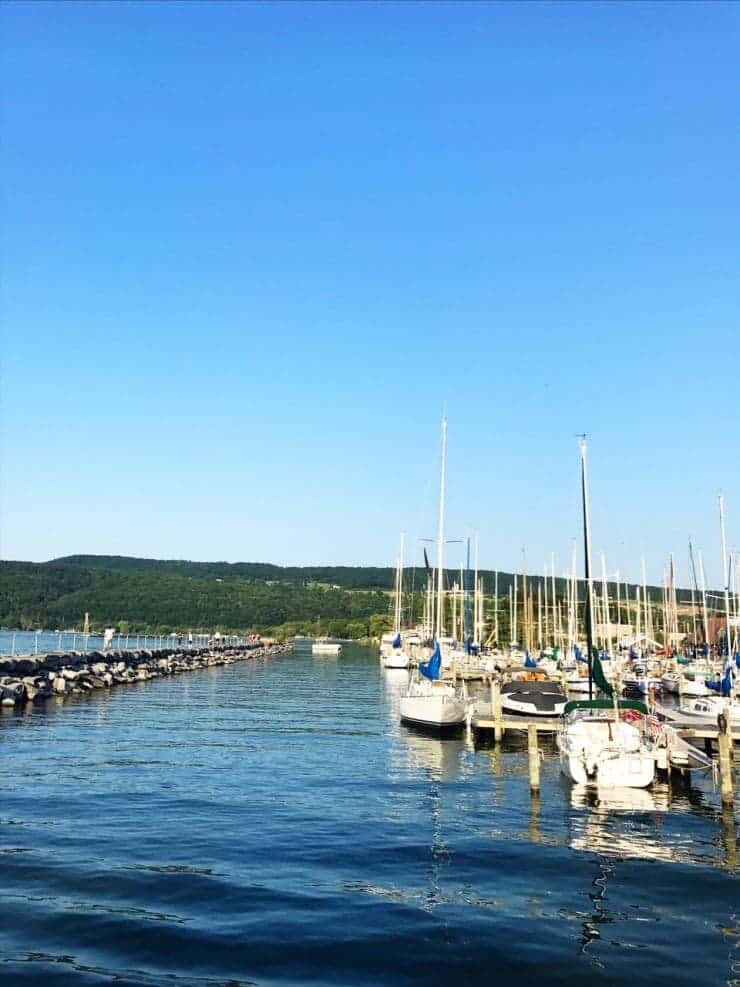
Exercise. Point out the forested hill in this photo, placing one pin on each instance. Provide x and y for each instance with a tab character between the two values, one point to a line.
157	596
346	577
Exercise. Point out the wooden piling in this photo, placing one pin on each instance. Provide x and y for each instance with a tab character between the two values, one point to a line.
534	758
497	713
726	766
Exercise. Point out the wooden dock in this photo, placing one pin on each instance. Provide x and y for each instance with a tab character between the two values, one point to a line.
489	717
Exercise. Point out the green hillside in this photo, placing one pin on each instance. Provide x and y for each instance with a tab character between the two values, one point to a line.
158	596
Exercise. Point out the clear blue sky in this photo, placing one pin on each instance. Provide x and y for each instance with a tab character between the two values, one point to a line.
250	251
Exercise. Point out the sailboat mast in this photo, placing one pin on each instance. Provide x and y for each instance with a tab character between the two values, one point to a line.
399	599
476	598
441	534
693	588
725	571
648	629
587	563
555	627
495	604
466	612
705	615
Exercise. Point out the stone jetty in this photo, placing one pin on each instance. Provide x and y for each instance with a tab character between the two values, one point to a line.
35	678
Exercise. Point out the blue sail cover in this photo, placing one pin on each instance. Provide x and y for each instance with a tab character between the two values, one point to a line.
529	661
578	653
430	669
723	687
397	641
633	654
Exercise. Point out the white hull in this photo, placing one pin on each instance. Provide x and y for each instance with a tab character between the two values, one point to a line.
599	751
523	708
324	648
578	685
624	771
433	711
396	659
433	704
710	707
684	687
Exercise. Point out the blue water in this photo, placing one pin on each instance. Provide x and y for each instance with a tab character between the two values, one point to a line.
271	822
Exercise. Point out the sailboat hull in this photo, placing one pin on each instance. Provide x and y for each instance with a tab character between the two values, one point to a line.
433	711
396	659
624	771
605	754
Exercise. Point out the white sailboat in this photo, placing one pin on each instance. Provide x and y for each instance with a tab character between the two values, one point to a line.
724	698
428	701
597	744
598	747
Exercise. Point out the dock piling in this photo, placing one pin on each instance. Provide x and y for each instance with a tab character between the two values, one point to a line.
726	766
534	759
497	712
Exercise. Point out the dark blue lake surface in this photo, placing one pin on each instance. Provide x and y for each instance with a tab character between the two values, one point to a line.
271	822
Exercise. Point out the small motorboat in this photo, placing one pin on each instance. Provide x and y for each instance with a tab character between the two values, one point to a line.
533	698
324	647
709	708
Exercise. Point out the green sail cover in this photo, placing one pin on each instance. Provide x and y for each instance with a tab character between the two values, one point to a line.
597	673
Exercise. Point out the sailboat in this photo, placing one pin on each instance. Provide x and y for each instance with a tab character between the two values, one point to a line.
395	656
430	702
723	698
603	742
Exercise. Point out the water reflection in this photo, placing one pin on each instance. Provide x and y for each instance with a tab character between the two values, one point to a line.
441	758
646	824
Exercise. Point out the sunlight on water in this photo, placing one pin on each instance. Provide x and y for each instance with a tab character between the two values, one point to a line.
272	822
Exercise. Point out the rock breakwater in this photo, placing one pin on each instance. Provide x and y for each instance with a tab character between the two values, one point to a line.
36	678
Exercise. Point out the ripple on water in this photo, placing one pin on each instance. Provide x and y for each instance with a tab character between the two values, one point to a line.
272	823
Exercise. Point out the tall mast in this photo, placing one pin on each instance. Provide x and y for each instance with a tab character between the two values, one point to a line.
399	590
476	596
607	631
466	616
495	611
555	633
705	615
725	571
587	562
525	613
441	535
693	587
648	629
539	615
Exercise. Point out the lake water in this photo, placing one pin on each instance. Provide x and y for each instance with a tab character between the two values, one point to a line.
271	822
